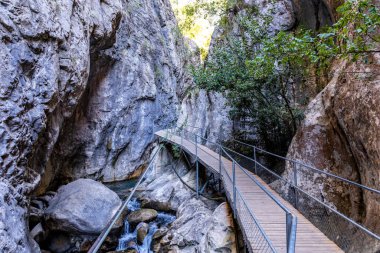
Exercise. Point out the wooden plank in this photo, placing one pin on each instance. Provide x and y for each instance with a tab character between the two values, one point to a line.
268	214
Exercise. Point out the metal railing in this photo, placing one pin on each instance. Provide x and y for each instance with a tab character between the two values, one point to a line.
99	241
255	236
347	233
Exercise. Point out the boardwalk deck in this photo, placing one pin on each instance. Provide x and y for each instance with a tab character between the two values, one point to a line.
270	216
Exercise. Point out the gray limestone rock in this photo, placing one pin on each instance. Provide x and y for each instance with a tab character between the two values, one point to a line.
45	49
83	207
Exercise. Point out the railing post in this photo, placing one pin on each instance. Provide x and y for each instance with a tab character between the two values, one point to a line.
295	184
197	165
254	158
234	186
291	228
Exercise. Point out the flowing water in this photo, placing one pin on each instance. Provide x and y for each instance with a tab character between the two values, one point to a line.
128	239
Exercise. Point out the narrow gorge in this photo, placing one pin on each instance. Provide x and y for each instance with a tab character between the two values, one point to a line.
88	86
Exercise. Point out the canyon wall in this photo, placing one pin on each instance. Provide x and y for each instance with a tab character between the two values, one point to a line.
84	86
110	134
340	134
45	48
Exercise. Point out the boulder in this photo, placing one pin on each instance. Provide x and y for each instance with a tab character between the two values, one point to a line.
142	215
220	234
142	231
83	206
160	233
165	191
193	219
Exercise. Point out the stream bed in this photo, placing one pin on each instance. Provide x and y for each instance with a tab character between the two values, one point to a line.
128	240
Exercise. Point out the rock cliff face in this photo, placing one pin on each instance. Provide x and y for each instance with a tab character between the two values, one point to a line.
341	135
207	114
45	49
127	100
315	14
84	85
134	89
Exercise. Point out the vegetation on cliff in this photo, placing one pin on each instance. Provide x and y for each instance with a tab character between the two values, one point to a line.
264	72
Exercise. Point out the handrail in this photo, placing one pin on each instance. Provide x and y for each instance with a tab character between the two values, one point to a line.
329	207
291	219
99	241
293	185
292	161
257	223
312	168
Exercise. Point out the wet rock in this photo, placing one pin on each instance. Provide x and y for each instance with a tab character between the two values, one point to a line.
47	197
119	224
37	204
142	215
35	215
160	233
142	231
83	206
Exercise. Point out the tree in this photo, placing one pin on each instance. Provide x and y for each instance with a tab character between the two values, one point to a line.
262	74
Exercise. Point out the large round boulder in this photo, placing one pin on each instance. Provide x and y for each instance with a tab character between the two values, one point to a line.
83	206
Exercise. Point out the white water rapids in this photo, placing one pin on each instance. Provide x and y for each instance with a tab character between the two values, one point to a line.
128	239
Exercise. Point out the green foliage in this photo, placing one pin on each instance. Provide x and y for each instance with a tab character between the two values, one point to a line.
261	73
356	31
197	19
176	151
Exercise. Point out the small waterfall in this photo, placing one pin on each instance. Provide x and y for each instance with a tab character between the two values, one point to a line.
133	205
128	239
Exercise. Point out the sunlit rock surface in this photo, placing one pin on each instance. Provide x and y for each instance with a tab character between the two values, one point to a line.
45	49
340	134
82	207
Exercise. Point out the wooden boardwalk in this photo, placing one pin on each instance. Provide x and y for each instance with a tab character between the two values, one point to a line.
269	215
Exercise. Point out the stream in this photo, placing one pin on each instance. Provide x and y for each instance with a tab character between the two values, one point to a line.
128	239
